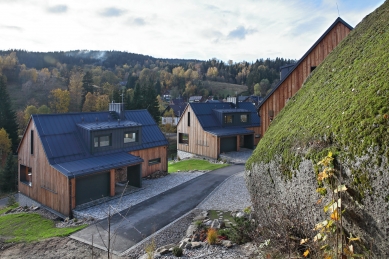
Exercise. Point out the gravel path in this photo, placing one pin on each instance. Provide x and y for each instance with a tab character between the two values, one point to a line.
229	196
149	189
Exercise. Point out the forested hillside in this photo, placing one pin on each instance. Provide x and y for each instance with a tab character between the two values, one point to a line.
82	80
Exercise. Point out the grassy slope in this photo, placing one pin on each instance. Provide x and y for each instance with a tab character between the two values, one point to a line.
220	88
342	107
194	164
29	227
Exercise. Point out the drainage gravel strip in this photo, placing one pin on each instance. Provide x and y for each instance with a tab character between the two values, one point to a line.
150	188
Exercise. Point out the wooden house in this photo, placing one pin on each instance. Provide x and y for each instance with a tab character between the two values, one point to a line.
293	76
208	129
66	160
172	114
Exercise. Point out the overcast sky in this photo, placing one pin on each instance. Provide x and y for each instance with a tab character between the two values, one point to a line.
191	29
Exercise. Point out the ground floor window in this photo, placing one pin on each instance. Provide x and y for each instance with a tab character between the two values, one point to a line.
183	138
155	161
26	175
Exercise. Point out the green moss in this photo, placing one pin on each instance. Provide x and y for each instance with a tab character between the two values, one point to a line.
342	107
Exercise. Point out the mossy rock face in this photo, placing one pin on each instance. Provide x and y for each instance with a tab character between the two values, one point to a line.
343	107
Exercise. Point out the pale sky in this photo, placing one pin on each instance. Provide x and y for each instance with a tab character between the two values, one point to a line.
191	29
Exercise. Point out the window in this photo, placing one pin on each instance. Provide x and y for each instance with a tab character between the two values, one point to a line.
183	138
313	68
32	142
155	161
228	118
243	118
102	141
26	175
130	137
188	119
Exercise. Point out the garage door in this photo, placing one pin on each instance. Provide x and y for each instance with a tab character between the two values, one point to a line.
92	187
228	144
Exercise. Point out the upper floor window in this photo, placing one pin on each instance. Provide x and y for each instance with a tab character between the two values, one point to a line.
32	142
228	118
130	137
102	141
243	118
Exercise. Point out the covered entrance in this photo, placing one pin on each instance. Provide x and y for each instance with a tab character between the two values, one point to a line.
246	141
134	175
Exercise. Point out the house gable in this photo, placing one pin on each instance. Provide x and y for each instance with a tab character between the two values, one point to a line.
293	79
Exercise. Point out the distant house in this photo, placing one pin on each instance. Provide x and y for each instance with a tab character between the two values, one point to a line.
173	118
66	160
294	75
166	96
208	129
178	101
195	99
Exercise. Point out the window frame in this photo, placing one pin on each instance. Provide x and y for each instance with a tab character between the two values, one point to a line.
244	115
99	140
181	139
136	132
228	119
154	161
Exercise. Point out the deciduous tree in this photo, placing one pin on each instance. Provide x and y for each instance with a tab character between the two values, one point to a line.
76	92
60	100
5	145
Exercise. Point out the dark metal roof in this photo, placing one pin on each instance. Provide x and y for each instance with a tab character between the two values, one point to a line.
230	131
108	125
338	20
96	164
63	143
205	113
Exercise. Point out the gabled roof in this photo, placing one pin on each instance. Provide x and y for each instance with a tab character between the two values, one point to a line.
206	115
195	98
338	20
177	109
67	152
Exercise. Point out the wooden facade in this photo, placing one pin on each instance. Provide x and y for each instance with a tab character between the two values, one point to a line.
288	86
201	142
152	154
40	181
45	184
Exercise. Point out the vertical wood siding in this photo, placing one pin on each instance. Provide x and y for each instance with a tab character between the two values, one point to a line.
49	187
294	81
149	154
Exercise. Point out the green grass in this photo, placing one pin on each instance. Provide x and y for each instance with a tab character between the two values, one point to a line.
29	227
193	164
5	209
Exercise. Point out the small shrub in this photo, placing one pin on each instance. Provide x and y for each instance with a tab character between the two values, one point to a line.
211	236
11	200
224	232
177	251
199	224
242	232
247	210
150	249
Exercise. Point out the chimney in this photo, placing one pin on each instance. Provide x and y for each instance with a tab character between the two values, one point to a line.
118	108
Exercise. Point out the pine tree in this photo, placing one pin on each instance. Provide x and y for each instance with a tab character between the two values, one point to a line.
152	102
8	175
7	115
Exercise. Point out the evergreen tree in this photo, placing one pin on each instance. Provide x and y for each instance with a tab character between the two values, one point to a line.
137	102
7	115
87	82
131	81
152	102
8	175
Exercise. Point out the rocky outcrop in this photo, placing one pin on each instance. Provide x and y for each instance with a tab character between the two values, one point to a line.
342	108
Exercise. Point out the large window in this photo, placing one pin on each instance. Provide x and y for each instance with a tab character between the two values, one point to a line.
26	175
155	161
130	137
183	138
228	118
102	141
243	118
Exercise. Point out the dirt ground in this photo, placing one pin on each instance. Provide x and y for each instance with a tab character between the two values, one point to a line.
57	247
